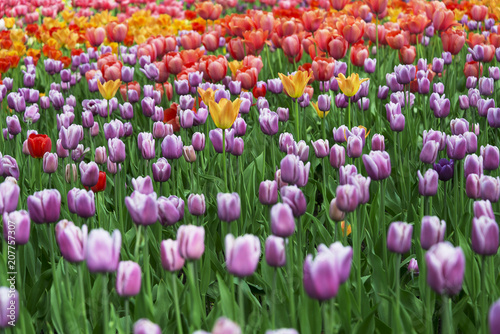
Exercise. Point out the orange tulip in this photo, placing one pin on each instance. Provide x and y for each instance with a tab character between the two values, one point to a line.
255	41
352	29
397	39
415	24
494	40
174	62
210	41
475	39
443	19
253	61
191	41
371	32
214	68
472	69
248	77
208	11
322	37
323	68
191	56
312	19
453	40
264	20
338	4
489	52
407	54
237	24
377	6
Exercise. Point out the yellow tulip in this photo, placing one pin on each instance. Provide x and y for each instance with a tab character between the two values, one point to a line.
342	225
109	89
350	85
206	95
234	66
9	22
225	112
295	84
320	113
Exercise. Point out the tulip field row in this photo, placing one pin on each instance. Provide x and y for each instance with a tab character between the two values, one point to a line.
246	166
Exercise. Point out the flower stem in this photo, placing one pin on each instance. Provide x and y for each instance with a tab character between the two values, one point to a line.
137	243
297	122
290	282
82	292
105	303
397	315
447	316
224	159
382	221
484	297
176	302
273	299
241	302
126	315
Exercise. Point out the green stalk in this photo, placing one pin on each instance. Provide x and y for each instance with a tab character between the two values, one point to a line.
326	321
349	113
224	159
484	297
447	316
264	159
176	303
241	304
82	292
105	303
127	312
53	262
356	234
196	313
297	125
382	220
397	315
137	243
273	299
290	283
455	212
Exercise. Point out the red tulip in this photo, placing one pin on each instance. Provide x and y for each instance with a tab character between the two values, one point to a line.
292	48
453	40
236	49
116	31
351	29
214	68
337	47
323	68
38	145
407	54
248	77
397	39
359	53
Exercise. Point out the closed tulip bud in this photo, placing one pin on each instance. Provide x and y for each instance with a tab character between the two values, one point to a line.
335	213
170	210
486	86
432	231
171	259
363	185
145	326
302	150
71	136
89	173
295	198
242	254
226	326
128	279
377	165
484	235
161	170
142	208
275	251
81	202
191	241
189	153
337	156
463	102
473	165
198	141
347	197
456	147
44	206
471	142
413	267
268	192
13	125
9	311
446	267
437	65
427	184
16	224
116	148
171	147
399	237
354	146
489	188
103	251
94	131
282	220
473	186
346	172
429	152
50	162
228	206
493	316
71	173
144	185
471	82
397	122
493	117
321	275
100	155
196	204
483	208
321	148
490	155
382	92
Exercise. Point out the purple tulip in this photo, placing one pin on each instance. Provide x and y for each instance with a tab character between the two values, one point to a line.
170	210
196	204
347	197
486	86
228	206
16	227
377	165
145	326
429	152
116	149
44	206
171	259
103	251
50	162
363	185
9	167
275	251
216	139
490	155
225	326
13	125
142	208
428	184
456	147
9	307
282	220
413	267
242	254
473	165
89	173
399	237
295	198
128	279
81	202
269	123
337	156
489	188
494	314
268	192
484	236
483	208
459	126
383	92
446	267
346	172
161	170
494	117
404	73
191	241
432	231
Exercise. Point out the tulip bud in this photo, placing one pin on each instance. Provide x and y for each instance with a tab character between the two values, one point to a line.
347	197
144	326
295	198
128	279
399	237
268	192
50	162
275	251
432	231
413	266
228	206
445	268
103	251
282	220
191	241
16	223
9	312
242	254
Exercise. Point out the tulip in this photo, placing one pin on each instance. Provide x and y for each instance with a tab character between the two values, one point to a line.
103	251
109	89
490	155
242	254
16	227
38	145
489	188
171	259
161	170
170	210
143	208
282	220
228	207
225	326
294	85
413	266
363	185
295	198
494	117
494	317
484	235
350	85
429	151
446	266
116	149
144	326
377	165
268	192
427	184
483	208
44	206
81	202
128	279
432	231
9	307
50	163
473	186
473	165
191	241
456	147
399	237
337	156
347	197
